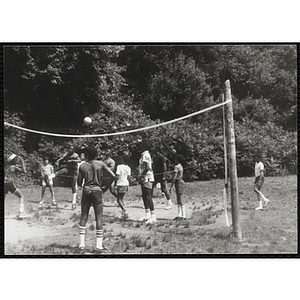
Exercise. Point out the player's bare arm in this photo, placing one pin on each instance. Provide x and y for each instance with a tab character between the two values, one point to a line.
108	170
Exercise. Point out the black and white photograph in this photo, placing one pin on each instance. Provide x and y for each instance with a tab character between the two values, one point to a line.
150	149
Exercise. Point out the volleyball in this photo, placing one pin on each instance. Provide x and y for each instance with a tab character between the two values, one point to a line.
87	121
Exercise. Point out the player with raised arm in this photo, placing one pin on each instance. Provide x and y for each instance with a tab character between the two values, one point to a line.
71	170
12	164
90	176
109	184
47	174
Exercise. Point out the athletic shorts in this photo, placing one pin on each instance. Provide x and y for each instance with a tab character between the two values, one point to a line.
9	186
258	183
91	197
122	189
179	186
46	181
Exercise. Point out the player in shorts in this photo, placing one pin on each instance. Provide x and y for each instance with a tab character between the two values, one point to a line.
122	183
12	164
259	170
160	169
90	177
177	179
71	170
47	174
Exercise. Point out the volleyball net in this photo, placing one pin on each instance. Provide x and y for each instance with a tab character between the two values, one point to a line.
136	130
121	132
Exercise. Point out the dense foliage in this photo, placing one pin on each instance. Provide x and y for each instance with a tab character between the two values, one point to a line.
52	88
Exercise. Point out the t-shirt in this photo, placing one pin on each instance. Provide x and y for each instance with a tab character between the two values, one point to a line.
146	163
179	171
123	171
47	170
259	167
90	174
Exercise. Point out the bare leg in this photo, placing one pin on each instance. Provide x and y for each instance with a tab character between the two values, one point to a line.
120	201
21	203
43	193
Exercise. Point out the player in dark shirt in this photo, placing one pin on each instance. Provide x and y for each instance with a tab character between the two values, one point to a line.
108	183
90	173
71	170
160	169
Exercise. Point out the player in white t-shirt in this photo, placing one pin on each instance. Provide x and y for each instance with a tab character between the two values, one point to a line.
122	183
259	180
47	173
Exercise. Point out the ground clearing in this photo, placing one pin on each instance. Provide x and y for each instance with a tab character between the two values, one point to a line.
54	230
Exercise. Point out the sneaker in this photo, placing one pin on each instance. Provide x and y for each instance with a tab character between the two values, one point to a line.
81	249
259	208
73	206
177	218
54	203
22	215
41	202
152	220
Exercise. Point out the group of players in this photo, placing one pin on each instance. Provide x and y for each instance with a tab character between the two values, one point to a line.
96	176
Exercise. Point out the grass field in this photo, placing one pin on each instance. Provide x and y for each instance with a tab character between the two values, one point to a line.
54	230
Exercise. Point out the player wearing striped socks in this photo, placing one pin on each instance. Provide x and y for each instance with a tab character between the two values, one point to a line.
90	177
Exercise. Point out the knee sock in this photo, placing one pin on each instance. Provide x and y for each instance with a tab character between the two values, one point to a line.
21	206
183	211
99	237
82	236
74	198
179	211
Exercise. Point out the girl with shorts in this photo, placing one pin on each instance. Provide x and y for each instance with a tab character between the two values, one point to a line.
177	179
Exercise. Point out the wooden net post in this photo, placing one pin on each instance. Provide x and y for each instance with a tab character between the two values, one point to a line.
237	232
225	191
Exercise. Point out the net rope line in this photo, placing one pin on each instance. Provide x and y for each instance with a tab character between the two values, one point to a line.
122	132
